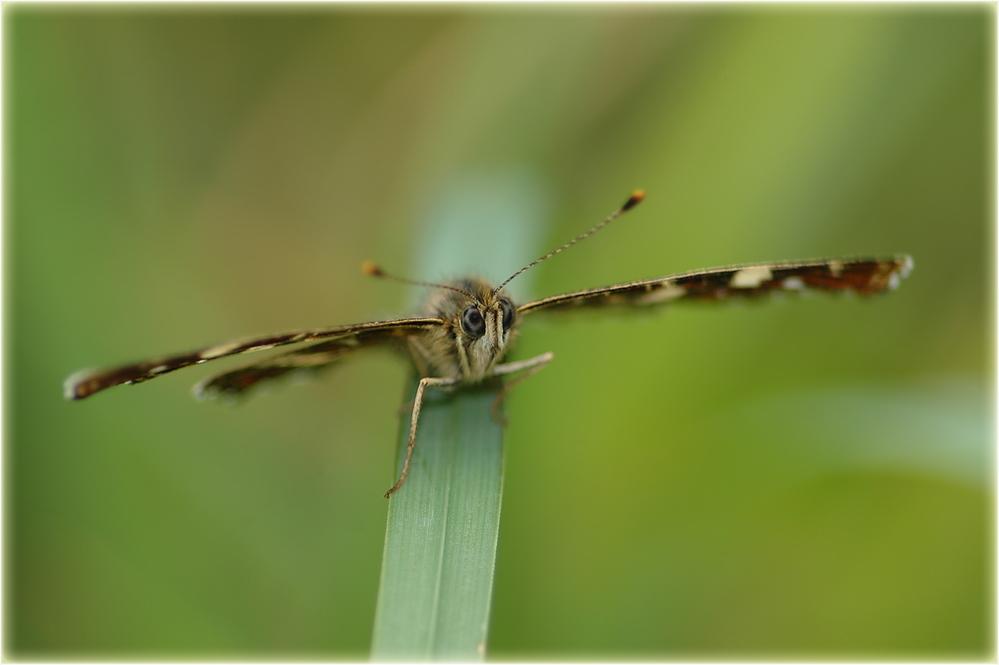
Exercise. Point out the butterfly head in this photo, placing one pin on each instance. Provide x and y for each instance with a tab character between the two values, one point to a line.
480	322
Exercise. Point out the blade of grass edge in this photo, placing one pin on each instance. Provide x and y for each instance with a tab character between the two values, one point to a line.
443	527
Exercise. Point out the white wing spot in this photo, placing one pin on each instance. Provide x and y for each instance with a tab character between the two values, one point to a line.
261	347
906	267
74	380
668	291
793	284
201	391
836	268
159	369
750	278
219	351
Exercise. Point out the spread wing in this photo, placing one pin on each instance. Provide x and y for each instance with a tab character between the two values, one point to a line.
337	342
297	364
865	276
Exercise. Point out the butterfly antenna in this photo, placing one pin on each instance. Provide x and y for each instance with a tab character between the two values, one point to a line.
372	270
635	198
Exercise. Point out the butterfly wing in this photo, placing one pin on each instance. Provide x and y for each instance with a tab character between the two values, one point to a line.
298	363
865	276
344	338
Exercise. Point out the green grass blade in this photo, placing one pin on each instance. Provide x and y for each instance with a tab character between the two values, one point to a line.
443	525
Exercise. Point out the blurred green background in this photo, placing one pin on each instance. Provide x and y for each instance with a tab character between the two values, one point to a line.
799	479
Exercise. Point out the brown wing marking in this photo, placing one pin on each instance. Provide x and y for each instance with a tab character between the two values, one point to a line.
865	276
87	382
296	364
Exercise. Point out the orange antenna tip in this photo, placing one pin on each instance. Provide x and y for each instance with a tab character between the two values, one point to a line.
371	270
636	197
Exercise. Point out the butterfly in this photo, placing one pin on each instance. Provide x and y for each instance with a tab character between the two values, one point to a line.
468	325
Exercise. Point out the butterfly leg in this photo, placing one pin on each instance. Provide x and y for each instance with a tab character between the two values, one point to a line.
440	382
420	357
530	367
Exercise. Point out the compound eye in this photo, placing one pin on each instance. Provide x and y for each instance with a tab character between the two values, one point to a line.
472	322
508	312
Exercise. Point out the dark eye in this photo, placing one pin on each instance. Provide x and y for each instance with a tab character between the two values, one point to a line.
507	308
472	322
